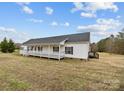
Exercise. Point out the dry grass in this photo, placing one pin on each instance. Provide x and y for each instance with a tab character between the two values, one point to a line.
32	73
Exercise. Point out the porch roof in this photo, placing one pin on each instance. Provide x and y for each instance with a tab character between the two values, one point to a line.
58	39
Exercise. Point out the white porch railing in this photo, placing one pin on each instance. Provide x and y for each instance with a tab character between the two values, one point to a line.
23	52
43	54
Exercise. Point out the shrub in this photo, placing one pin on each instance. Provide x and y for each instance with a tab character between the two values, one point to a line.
4	46
11	46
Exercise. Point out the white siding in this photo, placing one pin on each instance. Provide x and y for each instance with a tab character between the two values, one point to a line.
23	50
80	50
24	47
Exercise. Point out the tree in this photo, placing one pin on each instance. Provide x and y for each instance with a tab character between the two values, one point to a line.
4	45
11	46
119	46
7	46
106	45
109	44
112	44
119	43
102	45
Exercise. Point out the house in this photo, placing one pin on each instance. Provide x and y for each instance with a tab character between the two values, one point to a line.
18	45
58	47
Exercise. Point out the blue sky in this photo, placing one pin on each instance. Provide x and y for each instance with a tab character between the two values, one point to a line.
22	21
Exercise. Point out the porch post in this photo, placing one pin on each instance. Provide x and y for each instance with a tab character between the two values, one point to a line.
49	51
59	52
37	50
40	50
28	49
34	50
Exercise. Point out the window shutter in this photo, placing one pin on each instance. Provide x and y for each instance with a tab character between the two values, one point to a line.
71	50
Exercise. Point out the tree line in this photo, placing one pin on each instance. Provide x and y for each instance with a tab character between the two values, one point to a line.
7	46
112	44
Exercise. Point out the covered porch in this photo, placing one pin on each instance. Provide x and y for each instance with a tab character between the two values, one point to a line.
55	51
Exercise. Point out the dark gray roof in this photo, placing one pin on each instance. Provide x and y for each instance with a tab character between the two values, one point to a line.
57	39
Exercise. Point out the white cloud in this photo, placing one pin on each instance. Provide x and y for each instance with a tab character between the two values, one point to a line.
93	7
54	23
11	33
23	33
35	20
23	3
67	24
102	26
27	10
118	17
101	6
90	15
78	6
49	10
6	30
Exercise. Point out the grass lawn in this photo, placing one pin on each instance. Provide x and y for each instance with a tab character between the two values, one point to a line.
32	73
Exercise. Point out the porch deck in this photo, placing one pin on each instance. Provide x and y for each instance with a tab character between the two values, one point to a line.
42	54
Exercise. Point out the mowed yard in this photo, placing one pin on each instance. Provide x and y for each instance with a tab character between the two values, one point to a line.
33	73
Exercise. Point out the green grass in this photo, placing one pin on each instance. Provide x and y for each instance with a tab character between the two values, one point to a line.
18	85
33	73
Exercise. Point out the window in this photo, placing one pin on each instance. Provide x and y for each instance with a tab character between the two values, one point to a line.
68	50
55	49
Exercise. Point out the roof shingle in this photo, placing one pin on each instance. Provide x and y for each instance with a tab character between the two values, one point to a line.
57	39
